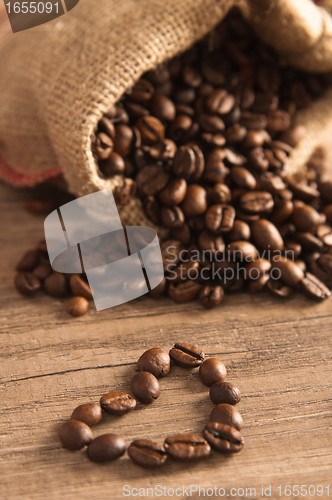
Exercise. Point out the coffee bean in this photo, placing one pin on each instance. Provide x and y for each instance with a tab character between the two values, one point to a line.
141	91
279	289
257	268
220	218
145	387
308	241
325	263
211	371
195	201
184	292
305	218
106	448
74	435
114	165
224	392
184	271
302	191
188	162
228	415
235	133
123	194
151	129
42	271
29	261
211	242
223	438
258	284
278	121
163	108
77	306
243	178
253	121
152	209
239	231
180	128
314	288
147	453
256	202
79	287
117	403
172	217
325	189
324	232
289	272
155	361
219	193
173	193
89	413
211	296
102	146
170	252
211	123
151	179
266	236
241	250
187	447
186	355
27	283
124	137
220	102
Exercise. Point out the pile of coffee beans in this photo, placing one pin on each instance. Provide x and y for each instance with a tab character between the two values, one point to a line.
222	433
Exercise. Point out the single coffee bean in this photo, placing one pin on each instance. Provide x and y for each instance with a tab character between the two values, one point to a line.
42	271
186	355
89	413
155	361
211	296
257	285
184	271
223	438
123	194
211	371
287	271
151	129
142	91
219	193
266	236
257	268
106	448
152	209
215	170
283	209
74	435
256	202
172	217
239	231
195	201
114	165
79	287
56	285
106	125
305	218
235	133
256	139
211	123
325	263
220	218
278	121
163	108
241	250
29	261
151	179
211	242
314	288
174	192
253	121
183	234
324	232
145	387
187	447
228	415
180	128
124	138
77	306
242	177
220	102
184	292
102	146
27	283
188	162
279	289
171	252
257	159
309	242
224	392
117	403
147	453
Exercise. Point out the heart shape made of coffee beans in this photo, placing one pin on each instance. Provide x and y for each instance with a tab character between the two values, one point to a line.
222	433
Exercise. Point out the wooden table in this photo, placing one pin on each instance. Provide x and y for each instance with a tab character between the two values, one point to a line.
278	353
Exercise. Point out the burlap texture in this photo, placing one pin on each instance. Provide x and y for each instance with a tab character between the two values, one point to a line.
56	83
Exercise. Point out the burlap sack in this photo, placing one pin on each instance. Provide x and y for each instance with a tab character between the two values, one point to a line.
57	82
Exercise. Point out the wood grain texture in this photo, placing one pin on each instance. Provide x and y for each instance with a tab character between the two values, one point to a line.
278	353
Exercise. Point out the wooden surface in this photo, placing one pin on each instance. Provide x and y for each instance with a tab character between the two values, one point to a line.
277	353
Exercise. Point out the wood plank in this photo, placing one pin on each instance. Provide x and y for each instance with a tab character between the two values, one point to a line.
277	353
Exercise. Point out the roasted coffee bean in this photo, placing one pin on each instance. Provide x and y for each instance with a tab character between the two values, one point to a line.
272	183
195	201
211	123
241	250
325	189
287	271
305	218
308	241
219	193
106	448
155	361
266	236
257	159
117	403
172	217
239	231
136	110
184	271
163	108
253	121
188	162
89	413
102	146
235	133
257	285
42	271
278	121
187	447
211	371
224	392
186	355
171	252
191	76
180	127
56	285
145	387
114	165
211	296
79	287
324	232
147	453
211	242
174	192
256	202
302	191
152	209
257	268
124	138
256	139
314	288
141	91
74	435
220	218
27	283
223	438
279	289
151	179
228	415
123	194
29	261
212	75
325	263
106	125
183	234
220	102
151	129
243	178
283	209
77	306
184	292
